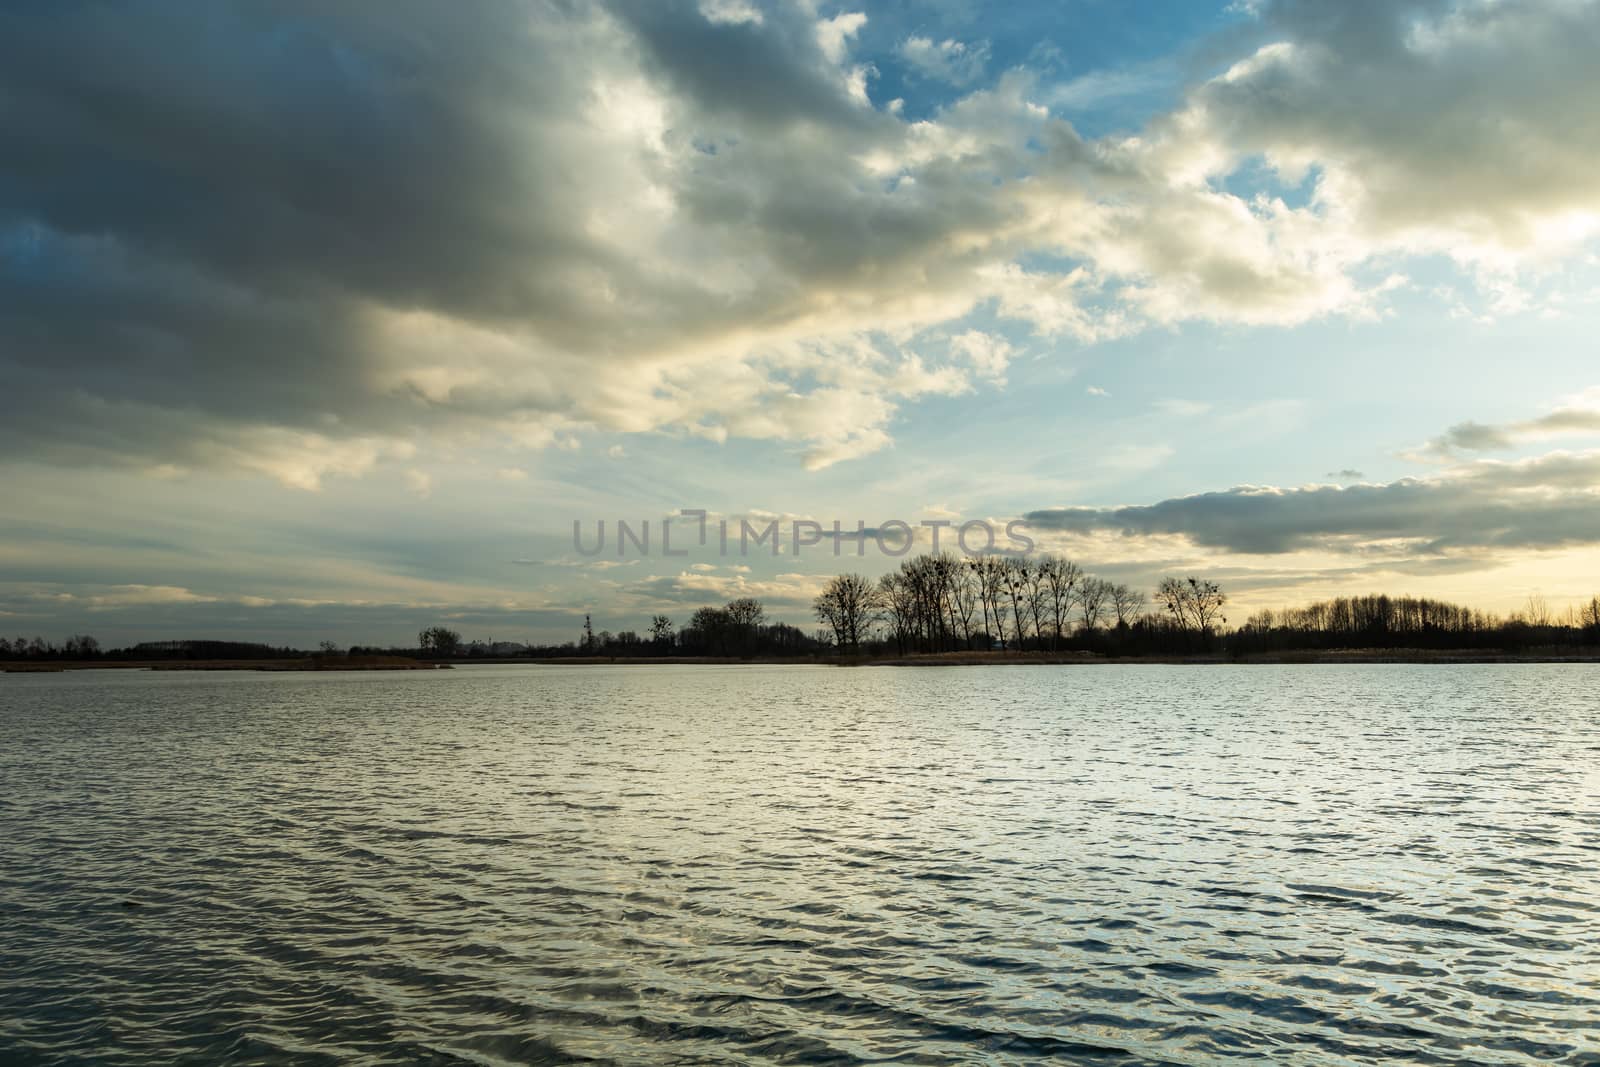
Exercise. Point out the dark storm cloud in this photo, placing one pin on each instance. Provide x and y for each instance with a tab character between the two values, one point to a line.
83	319
1549	502
758	74
198	201
359	224
1372	29
299	148
205	209
1479	437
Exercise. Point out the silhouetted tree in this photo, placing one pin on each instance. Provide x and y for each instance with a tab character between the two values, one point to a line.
1036	595
1126	603
1589	618
1195	605
1061	578
1093	593
899	607
745	616
81	646
1016	572
963	585
709	631
1537	611
848	604
990	572
438	641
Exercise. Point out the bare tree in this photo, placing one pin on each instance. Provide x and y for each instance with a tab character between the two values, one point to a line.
1589	616
1016	579
848	604
661	630
82	646
1194	604
1127	604
1061	577
926	624
963	599
946	573
990	572
745	616
899	603
1092	595
1037	598
1537	611
746	611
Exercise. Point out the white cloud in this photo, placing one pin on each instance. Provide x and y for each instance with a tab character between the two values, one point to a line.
834	34
630	231
955	62
1422	130
730	12
988	353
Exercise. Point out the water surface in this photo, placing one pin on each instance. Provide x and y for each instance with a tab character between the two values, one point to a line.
687	865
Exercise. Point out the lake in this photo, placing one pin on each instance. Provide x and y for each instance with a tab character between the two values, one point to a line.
1111	864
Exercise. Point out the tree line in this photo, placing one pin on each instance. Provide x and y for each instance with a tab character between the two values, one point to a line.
82	647
738	629
1381	621
943	603
946	603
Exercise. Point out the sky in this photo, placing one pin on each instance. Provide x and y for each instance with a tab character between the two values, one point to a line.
328	321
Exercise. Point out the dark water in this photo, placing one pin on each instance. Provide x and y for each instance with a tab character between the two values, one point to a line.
1108	865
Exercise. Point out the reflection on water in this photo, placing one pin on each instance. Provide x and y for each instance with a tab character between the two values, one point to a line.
645	865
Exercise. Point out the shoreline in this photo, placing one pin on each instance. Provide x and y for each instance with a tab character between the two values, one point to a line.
1351	656
308	666
925	659
1064	659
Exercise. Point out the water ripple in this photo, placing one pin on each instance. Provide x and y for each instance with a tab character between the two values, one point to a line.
704	865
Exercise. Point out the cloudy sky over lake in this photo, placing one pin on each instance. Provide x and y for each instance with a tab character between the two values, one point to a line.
327	320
